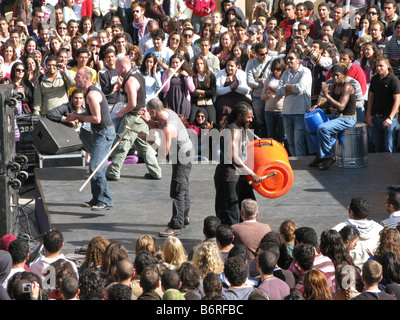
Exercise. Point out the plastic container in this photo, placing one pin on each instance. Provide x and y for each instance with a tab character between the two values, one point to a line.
269	157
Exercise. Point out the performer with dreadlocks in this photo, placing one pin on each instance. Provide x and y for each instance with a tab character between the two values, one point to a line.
230	183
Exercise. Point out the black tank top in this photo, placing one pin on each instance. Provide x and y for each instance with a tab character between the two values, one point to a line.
104	110
141	94
350	109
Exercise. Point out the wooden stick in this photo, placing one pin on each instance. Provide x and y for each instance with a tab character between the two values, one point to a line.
262	178
169	78
126	131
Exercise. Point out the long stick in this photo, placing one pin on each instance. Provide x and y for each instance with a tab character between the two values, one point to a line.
169	78
262	178
126	131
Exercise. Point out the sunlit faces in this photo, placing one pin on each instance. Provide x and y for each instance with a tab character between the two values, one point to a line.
382	67
344	58
102	38
231	68
82	59
110	58
87	26
175	63
323	12
337	14
226	41
72	28
200	67
78	99
368	51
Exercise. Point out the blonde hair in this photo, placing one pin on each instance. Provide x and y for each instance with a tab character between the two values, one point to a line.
145	242
174	252
207	258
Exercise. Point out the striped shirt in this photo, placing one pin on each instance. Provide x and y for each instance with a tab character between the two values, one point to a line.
392	50
392	221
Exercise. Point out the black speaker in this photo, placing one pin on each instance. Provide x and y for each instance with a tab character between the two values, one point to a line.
55	138
10	170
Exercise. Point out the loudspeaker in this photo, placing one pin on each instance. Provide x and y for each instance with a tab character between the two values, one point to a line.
9	167
55	138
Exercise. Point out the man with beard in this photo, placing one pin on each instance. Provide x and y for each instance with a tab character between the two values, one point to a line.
178	147
230	183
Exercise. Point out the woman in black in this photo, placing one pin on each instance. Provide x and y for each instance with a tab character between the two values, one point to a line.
205	86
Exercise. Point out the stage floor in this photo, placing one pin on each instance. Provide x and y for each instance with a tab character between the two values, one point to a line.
318	199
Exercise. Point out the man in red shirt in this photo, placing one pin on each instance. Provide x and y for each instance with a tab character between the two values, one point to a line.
290	19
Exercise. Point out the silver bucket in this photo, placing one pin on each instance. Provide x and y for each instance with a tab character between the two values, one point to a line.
352	147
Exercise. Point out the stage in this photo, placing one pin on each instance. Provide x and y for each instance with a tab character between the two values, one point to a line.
318	199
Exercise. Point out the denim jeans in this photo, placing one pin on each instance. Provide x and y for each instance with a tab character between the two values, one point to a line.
383	137
258	110
126	17
328	129
102	143
295	130
274	123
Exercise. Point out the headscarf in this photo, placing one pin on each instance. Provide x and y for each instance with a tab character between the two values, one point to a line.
204	124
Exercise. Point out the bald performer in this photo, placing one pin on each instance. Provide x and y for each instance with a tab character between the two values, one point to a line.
134	88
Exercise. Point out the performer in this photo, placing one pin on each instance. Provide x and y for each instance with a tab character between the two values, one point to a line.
97	113
230	182
135	87
179	148
341	105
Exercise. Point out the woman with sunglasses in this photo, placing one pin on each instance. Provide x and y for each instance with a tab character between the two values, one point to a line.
19	80
61	32
175	43
273	102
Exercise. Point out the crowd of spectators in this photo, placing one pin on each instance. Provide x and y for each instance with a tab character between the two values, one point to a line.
355	260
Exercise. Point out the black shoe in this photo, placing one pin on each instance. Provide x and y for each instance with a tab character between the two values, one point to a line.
315	162
150	177
326	163
100	207
186	221
112	179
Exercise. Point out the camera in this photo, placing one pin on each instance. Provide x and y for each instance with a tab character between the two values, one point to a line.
296	37
58	66
26	287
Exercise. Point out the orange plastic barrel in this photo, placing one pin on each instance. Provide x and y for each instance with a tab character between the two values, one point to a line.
269	157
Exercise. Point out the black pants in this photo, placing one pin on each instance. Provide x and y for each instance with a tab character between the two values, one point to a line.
179	192
229	196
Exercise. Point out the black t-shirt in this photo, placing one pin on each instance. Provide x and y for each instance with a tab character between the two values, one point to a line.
383	90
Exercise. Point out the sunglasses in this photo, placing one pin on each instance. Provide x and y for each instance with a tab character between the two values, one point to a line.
136	11
94	45
201	116
263	54
20	70
373	13
290	58
187	35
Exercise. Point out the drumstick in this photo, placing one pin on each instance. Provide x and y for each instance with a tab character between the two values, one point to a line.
262	178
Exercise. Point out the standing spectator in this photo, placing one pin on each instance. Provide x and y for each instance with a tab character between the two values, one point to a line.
390	18
383	105
295	86
342	28
137	29
202	9
102	10
273	103
256	74
19	250
177	89
205	88
51	89
324	10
